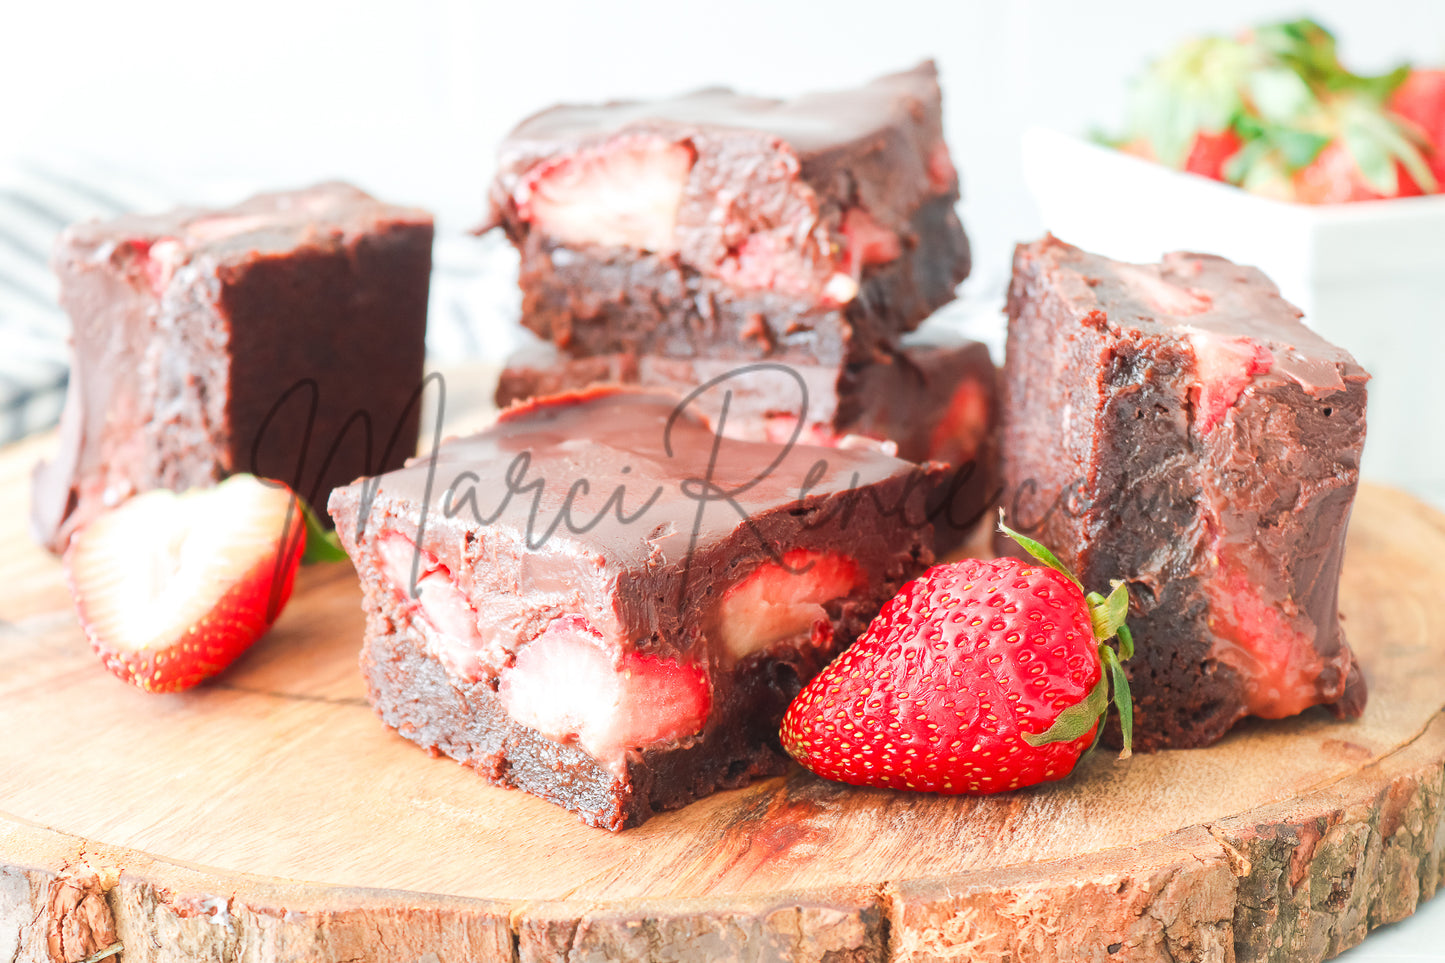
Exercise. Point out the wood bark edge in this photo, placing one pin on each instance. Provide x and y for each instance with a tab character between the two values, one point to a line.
1303	879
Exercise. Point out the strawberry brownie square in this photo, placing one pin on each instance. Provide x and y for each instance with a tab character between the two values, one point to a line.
1177	426
715	224
283	337
599	601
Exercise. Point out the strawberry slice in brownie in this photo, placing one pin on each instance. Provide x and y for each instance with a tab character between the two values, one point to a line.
599	601
716	224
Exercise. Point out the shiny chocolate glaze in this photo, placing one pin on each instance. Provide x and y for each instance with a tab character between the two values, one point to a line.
621	507
933	399
869	145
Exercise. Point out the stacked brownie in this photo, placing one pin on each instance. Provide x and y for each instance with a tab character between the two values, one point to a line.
723	455
763	259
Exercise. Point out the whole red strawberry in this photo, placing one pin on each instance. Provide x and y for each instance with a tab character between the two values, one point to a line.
979	676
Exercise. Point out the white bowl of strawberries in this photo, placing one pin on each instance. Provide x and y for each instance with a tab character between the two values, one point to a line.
1266	150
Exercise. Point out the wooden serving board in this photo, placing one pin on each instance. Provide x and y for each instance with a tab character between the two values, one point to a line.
271	816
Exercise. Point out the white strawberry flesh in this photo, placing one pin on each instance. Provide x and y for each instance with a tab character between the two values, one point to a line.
624	193
960	432
448	621
628	192
162	259
170	588
1223	367
866	242
569	686
767	261
942	175
783	601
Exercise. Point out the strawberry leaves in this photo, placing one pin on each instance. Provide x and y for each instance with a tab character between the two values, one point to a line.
1278	95
1122	697
1376	142
1196	89
171	588
322	545
1281	90
1107	614
1038	550
1076	720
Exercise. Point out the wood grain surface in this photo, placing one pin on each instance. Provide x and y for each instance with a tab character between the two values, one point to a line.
271	816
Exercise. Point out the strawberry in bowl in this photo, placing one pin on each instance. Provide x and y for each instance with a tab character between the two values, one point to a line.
172	588
1275	112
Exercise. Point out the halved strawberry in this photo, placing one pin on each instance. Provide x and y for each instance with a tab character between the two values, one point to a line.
566	685
766	261
624	193
866	242
942	175
171	589
446	616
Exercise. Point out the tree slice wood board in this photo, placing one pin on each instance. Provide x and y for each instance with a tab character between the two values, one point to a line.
271	816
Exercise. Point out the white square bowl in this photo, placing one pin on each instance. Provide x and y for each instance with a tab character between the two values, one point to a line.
1369	276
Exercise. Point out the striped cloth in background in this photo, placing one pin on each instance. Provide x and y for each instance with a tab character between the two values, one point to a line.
35	203
474	299
472	315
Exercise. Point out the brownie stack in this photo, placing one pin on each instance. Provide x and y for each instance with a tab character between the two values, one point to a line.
765	260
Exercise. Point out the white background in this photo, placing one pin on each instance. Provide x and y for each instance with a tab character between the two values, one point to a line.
409	99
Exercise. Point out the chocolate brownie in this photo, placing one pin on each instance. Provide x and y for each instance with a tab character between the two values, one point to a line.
1176	426
933	399
208	342
721	225
612	607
